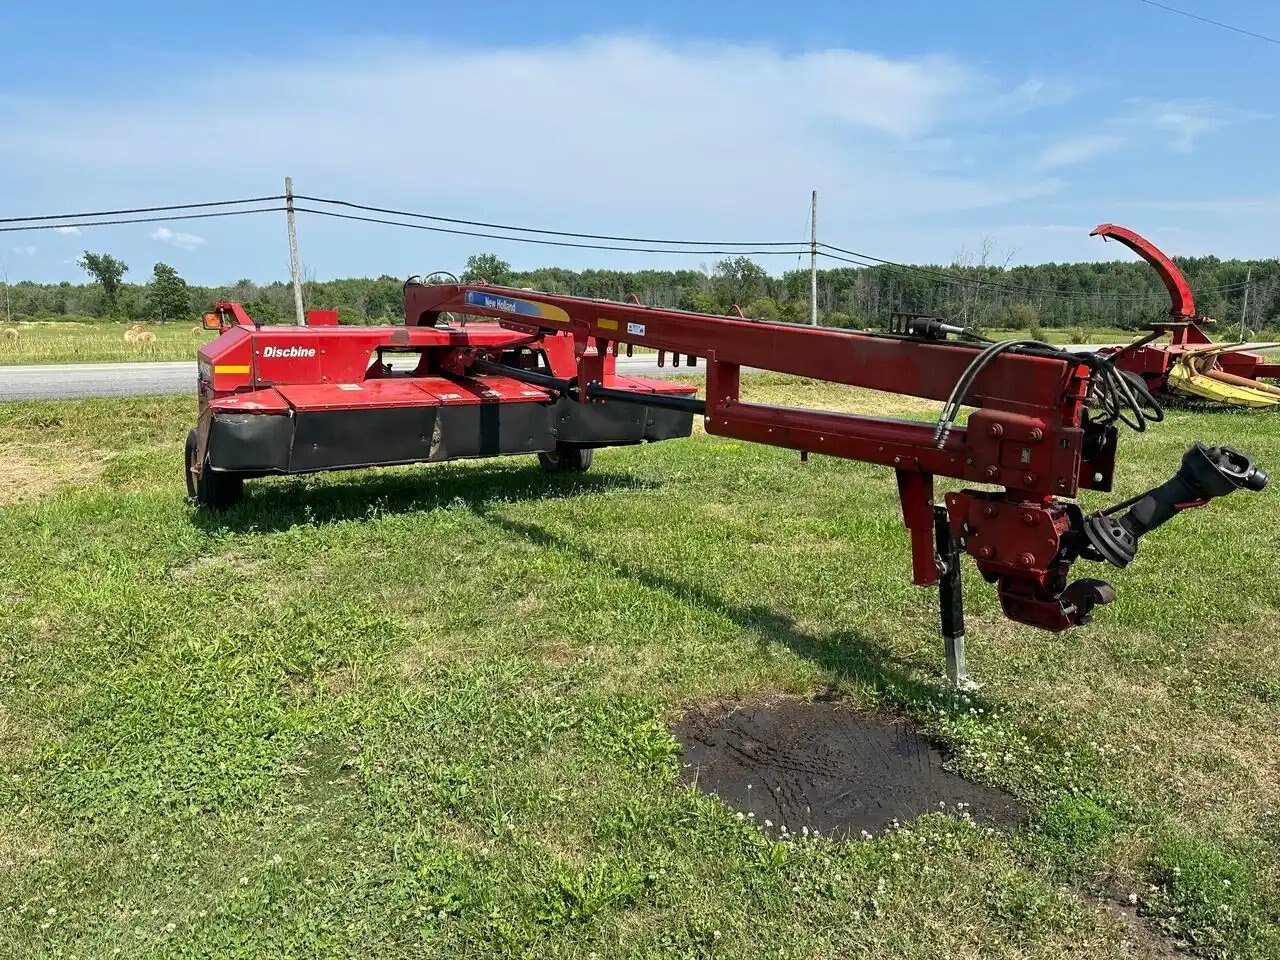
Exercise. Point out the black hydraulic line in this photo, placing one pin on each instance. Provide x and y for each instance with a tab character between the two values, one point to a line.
684	404
594	390
531	377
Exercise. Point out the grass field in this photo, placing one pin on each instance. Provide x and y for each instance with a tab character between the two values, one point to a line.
75	342
71	342
423	712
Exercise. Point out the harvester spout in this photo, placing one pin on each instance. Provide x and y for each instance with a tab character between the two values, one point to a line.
1191	364
1182	304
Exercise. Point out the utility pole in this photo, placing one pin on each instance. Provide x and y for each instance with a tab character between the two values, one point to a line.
293	251
813	259
1244	308
4	273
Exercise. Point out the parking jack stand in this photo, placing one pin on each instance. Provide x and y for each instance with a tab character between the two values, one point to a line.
950	599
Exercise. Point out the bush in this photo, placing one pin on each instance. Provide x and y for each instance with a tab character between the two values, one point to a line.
352	317
762	308
1023	316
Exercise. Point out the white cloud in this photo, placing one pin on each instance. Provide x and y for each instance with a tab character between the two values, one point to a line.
636	133
183	241
1185	122
1165	124
911	155
1073	150
67	231
25	251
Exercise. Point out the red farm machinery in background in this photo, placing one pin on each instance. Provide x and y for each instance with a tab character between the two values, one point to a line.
538	376
1191	365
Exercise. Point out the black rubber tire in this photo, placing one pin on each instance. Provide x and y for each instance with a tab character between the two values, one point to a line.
567	459
188	460
212	489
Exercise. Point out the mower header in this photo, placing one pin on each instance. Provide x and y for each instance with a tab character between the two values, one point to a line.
541	377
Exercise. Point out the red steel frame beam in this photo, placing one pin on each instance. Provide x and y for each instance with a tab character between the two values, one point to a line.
1028	434
1018	393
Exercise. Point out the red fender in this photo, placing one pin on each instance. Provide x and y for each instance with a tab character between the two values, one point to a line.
1182	304
232	314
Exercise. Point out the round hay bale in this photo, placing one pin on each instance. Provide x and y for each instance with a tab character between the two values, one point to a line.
145	336
196	331
11	335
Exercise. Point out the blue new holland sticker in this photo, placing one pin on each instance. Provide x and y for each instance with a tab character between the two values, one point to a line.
522	308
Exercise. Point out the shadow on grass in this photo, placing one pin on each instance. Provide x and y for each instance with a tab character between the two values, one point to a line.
277	506
291	502
844	653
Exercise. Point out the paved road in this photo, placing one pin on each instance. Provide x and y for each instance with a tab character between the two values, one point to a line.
68	380
64	381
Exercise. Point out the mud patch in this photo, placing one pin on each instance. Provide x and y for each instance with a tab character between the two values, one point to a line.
1146	941
825	767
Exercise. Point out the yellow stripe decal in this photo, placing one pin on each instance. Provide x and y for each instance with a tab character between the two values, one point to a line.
606	324
231	368
549	311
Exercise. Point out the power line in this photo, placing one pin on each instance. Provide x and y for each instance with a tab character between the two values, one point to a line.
937	274
667	246
549	243
551	233
1216	23
108	223
113	213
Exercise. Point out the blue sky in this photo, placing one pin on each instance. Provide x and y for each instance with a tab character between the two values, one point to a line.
925	126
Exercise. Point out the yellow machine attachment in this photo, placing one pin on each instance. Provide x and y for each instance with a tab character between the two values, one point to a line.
1194	374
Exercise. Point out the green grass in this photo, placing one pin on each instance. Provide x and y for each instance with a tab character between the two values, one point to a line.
423	712
79	342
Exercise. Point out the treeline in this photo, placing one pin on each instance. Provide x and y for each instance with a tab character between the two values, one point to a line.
1117	294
